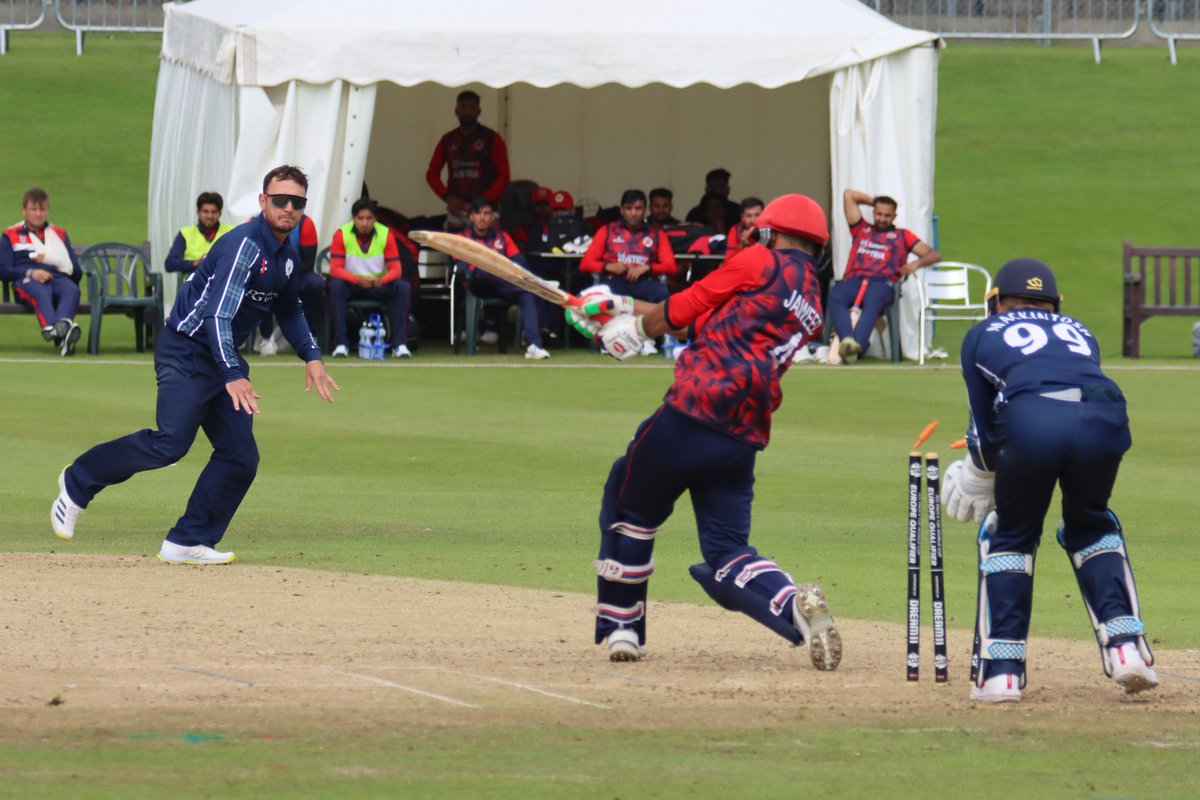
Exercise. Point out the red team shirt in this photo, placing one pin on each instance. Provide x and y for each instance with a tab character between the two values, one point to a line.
748	318
478	164
645	244
878	254
499	241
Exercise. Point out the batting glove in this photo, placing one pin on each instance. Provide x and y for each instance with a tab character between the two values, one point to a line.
587	327
967	491
599	299
622	337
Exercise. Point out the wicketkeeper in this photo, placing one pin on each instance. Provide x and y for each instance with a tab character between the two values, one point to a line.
744	320
1043	414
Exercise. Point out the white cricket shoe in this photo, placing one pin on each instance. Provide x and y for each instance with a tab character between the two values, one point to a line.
65	511
810	615
536	353
849	349
69	340
341	351
648	348
1002	688
489	337
266	346
198	554
1129	670
623	646
401	351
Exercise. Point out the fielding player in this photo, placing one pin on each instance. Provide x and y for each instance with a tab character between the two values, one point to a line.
1043	414
203	380
745	320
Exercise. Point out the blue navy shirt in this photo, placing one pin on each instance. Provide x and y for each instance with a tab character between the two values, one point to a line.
1022	352
244	277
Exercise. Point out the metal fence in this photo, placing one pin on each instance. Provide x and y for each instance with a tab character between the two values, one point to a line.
19	15
81	17
1048	20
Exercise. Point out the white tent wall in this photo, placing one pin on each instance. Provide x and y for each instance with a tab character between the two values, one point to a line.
598	142
882	116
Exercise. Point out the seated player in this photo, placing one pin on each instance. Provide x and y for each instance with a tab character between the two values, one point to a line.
740	234
485	285
193	242
39	261
630	254
364	262
662	205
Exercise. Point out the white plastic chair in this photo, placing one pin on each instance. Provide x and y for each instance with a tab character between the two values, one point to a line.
945	294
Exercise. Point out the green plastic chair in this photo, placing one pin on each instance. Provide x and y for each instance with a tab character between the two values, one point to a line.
120	279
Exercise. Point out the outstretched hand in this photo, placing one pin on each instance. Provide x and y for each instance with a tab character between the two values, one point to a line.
315	374
243	395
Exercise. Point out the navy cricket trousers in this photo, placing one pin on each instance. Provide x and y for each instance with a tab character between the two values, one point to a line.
1044	443
191	397
879	295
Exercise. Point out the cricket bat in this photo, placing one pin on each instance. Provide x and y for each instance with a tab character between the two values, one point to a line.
488	260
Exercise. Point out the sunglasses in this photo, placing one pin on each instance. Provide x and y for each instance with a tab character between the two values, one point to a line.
281	201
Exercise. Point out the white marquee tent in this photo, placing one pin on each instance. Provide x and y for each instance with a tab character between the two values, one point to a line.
789	95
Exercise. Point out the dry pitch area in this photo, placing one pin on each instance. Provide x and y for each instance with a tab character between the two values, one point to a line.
96	642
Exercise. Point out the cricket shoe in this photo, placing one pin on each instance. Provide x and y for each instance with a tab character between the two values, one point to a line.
810	615
489	337
341	351
536	353
623	645
1002	688
266	346
1129	670
198	554
849	350
648	348
401	351
70	338
65	511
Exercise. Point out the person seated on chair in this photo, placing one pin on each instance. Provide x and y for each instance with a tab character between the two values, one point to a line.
629	255
716	182
741	234
364	263
878	259
193	242
487	286
476	160
45	273
310	284
662	205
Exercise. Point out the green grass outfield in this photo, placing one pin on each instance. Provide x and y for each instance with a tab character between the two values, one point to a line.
493	474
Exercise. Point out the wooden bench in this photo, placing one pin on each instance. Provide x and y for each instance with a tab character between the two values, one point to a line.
1159	281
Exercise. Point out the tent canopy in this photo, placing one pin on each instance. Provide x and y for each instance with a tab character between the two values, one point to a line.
810	96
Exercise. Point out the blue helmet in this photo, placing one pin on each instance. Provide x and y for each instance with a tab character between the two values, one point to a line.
1024	277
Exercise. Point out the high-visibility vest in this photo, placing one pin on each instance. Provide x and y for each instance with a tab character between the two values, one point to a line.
196	244
371	262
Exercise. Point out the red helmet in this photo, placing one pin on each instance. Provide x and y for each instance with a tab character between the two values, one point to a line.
795	215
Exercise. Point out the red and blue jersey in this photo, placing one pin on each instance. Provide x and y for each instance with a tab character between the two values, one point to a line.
642	245
878	254
19	243
747	319
478	164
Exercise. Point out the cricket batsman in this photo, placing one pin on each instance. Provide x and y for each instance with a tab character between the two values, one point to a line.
745	320
1043	414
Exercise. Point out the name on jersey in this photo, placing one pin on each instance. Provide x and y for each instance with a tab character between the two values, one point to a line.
808	317
1027	315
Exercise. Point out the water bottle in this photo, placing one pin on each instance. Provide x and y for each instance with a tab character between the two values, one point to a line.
379	348
365	334
668	346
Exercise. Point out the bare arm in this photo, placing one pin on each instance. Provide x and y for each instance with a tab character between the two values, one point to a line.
654	320
851	200
926	255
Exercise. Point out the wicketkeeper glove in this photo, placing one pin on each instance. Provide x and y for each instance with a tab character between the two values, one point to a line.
967	491
622	336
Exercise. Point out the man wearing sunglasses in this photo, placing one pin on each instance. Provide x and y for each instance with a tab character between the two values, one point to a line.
203	381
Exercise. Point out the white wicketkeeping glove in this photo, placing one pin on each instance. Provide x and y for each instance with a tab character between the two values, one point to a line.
622	336
599	299
968	493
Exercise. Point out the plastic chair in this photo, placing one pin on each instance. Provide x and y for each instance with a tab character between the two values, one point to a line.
119	278
473	306
945	294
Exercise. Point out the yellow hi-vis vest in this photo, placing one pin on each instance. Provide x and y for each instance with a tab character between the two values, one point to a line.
195	245
371	262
